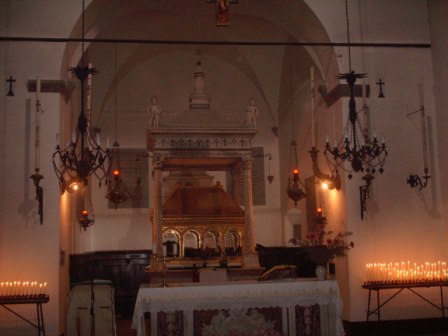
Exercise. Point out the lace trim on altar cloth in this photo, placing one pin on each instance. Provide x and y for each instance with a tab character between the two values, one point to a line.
314	307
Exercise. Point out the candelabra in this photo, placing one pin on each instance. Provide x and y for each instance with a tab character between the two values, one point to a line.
164	260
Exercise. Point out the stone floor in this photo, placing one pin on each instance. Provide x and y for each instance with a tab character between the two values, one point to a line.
124	328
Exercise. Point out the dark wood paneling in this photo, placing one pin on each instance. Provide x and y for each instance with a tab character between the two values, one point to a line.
125	269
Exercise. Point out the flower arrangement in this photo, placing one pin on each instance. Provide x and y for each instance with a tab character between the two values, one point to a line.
320	246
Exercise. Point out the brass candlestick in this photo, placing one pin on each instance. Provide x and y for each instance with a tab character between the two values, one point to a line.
164	261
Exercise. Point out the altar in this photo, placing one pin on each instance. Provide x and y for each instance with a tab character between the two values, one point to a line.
282	307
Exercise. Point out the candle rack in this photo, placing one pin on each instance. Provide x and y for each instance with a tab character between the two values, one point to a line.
400	276
24	298
399	286
389	284
37	299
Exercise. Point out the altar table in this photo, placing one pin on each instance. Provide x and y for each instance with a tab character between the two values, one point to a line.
283	307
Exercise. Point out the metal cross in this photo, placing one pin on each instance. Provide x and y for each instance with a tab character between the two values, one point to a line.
381	83
10	81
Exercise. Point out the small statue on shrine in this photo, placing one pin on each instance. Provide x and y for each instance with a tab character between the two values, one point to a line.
154	112
252	113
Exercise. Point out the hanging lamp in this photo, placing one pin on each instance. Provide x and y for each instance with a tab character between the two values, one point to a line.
116	192
83	156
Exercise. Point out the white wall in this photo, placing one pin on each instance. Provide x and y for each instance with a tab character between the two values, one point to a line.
401	223
29	251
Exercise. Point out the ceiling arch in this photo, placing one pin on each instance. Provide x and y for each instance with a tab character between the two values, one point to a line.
190	22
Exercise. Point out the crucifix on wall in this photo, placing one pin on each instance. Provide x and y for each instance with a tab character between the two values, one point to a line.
222	8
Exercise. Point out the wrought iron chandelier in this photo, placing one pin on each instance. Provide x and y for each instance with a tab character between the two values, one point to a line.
83	156
364	154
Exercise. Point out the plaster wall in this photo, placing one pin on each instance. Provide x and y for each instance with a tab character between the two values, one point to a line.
400	224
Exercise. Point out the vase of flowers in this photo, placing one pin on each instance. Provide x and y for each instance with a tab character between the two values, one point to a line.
320	245
321	272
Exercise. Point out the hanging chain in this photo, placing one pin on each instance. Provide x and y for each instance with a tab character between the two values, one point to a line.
348	37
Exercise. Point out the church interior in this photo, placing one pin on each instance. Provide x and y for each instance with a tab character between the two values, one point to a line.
151	144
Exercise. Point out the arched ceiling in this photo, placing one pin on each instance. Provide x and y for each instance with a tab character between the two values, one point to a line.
245	51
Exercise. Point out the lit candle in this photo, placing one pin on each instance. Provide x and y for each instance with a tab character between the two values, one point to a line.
313	112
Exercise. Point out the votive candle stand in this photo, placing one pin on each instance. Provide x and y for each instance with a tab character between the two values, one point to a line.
22	289
406	271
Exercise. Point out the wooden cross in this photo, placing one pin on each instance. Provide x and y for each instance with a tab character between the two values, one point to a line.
222	11
381	83
10	80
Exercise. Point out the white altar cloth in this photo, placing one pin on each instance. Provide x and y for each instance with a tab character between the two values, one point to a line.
286	294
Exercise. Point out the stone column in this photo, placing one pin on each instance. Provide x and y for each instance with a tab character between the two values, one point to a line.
250	259
157	164
235	173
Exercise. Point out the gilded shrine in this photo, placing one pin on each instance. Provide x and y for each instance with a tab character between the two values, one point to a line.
192	214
